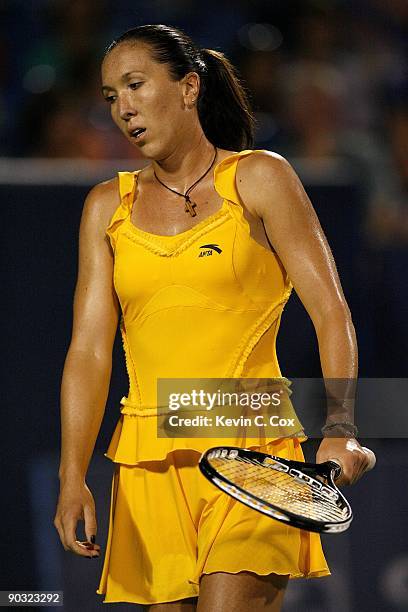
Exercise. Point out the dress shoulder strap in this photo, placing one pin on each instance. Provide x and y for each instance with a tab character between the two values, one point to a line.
127	183
225	184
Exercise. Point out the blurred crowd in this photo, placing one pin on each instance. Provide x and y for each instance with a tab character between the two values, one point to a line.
327	78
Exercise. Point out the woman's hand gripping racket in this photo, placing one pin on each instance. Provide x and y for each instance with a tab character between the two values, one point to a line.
300	494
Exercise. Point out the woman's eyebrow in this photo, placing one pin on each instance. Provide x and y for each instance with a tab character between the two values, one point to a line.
123	78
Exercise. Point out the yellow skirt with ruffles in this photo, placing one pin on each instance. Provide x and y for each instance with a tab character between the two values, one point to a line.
168	525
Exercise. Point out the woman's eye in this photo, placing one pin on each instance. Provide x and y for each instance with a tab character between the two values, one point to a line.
110	99
135	85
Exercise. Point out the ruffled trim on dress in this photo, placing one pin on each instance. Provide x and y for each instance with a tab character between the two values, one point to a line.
162	247
136	436
135	440
126	190
224	183
250	339
130	366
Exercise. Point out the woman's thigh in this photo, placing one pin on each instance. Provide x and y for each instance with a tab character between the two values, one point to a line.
241	592
184	605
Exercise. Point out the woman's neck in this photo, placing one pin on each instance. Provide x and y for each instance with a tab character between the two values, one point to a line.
182	165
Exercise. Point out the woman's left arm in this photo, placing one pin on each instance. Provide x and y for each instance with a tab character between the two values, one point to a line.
269	186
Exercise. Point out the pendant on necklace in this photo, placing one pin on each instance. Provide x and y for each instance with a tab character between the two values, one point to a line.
189	207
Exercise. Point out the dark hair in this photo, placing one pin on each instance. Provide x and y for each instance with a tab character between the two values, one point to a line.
223	107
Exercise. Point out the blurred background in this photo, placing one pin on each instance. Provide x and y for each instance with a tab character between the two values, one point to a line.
329	85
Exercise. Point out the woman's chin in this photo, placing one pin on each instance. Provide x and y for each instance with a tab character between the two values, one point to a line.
151	151
145	149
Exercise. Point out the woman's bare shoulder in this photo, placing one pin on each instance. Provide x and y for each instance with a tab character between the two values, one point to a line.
262	161
101	202
263	175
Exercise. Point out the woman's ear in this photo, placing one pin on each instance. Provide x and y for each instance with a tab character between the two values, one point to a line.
191	89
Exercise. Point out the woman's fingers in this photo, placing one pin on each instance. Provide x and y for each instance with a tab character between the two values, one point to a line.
367	463
372	459
361	464
351	458
88	549
71	540
77	505
58	526
354	459
67	533
91	546
90	523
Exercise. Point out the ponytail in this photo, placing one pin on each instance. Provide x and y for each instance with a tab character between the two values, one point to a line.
223	107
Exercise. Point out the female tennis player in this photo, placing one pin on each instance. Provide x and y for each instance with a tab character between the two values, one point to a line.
175	541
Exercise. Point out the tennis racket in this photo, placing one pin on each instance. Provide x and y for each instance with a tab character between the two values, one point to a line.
300	494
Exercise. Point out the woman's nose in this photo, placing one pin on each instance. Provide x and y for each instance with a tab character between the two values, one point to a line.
126	109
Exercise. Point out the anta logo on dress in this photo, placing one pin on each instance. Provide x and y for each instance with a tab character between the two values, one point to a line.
209	249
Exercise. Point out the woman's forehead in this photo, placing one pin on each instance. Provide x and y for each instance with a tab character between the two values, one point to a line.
129	57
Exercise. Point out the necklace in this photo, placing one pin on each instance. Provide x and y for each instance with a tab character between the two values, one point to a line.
189	205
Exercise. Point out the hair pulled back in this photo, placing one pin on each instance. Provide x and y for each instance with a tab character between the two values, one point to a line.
223	107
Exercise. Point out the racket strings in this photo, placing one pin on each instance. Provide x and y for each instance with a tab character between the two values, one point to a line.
283	491
279	488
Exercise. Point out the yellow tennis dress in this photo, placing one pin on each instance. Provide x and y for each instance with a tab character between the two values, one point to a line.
185	315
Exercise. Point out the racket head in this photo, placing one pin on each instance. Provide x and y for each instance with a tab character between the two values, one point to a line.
315	482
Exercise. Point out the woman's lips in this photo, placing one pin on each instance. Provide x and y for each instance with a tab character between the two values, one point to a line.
137	133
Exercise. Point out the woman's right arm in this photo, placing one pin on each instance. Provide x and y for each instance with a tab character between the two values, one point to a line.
87	368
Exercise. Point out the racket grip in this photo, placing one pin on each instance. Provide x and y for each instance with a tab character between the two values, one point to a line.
371	458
